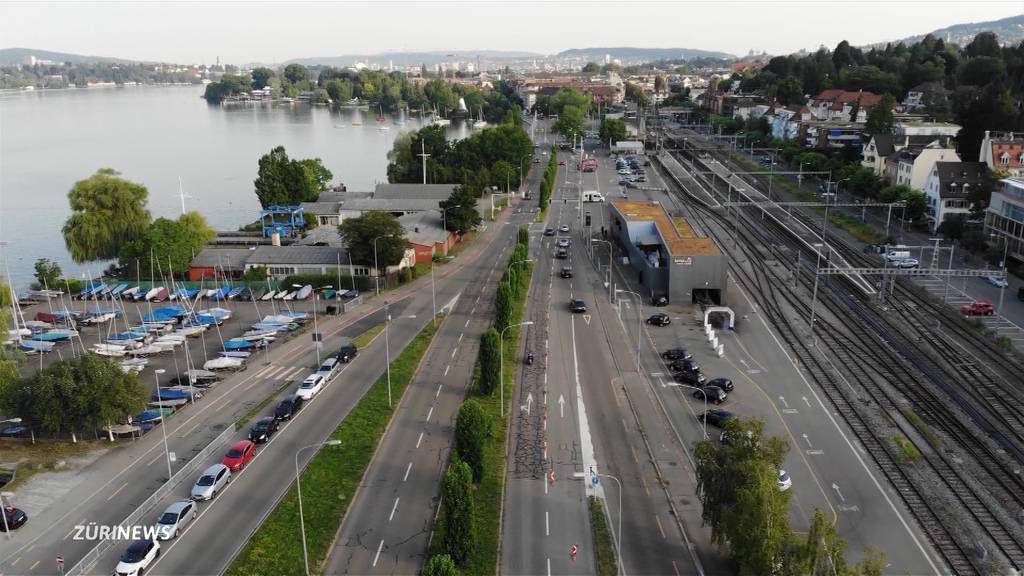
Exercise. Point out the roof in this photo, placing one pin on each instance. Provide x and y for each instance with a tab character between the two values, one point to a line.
417	191
392	205
225	258
424	228
297	255
956	178
678	242
320	208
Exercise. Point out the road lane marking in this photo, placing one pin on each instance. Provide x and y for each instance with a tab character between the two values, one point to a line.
16	560
438	393
393	508
111	497
547	524
446	368
456	349
407	469
190	431
466	325
430	413
549	566
379	546
155	458
34	564
460	337
420	439
660	529
674	567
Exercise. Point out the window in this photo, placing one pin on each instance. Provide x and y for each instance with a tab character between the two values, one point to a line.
280	270
1004	159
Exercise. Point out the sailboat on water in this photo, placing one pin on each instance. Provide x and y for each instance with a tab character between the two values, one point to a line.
380	119
480	123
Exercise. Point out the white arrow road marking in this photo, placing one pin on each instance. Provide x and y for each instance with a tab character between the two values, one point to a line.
529	403
836	488
808	440
561	406
586	318
806	401
783	400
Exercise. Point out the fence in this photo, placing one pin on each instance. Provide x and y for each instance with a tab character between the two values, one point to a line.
88	561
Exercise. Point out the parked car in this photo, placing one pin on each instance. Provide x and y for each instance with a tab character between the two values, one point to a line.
689	378
549	231
563	228
563	243
659	301
723	383
716	417
641	178
263	429
139	555
288	407
328	368
16	518
714	394
174	519
997	281
659	320
561	162
347	353
979	308
906	263
566	272
311	386
785	482
210	482
562	254
676	354
623	171
576	305
239	455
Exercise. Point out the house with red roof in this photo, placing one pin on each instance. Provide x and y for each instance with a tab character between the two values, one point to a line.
1003	151
842	105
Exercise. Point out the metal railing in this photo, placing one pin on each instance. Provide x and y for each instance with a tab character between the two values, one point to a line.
88	561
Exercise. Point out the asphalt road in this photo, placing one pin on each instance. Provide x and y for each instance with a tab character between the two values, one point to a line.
387	529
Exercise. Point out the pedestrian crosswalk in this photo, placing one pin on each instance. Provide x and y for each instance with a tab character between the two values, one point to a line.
276	372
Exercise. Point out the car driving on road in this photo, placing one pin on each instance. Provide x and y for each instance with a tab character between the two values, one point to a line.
139	555
174	519
563	228
562	254
239	455
713	394
906	263
311	386
684	365
263	429
347	353
210	482
566	272
576	305
979	308
659	320
676	354
549	231
997	281
562	243
785	482
15	517
288	407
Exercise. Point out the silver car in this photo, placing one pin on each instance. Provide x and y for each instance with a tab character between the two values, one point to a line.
563	242
174	519
213	479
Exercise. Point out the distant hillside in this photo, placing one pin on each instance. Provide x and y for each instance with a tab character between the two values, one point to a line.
1009	30
632	55
411	58
12	56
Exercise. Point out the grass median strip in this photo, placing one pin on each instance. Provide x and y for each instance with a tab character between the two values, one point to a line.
604	549
364	339
329	480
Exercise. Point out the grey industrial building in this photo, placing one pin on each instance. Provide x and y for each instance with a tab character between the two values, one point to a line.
670	259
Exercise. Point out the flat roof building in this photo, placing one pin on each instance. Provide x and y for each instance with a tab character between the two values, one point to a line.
669	257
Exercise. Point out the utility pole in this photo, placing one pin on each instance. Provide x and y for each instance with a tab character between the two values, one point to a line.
423	154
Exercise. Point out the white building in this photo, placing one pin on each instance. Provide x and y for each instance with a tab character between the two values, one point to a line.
1005	215
948	186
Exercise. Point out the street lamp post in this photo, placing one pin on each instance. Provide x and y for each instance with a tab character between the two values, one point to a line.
618	539
814	297
705	394
511	264
501	361
376	269
316	332
640	322
163	421
444	224
608	242
298	487
387	347
1002	264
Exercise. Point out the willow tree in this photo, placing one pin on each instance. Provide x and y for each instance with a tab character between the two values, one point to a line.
107	212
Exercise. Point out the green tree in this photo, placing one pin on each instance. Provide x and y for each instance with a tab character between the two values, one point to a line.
359	234
457	504
340	90
659	83
261	77
880	119
612	129
591	68
317	175
107	394
107	212
823	552
570	123
255	274
8	360
503	304
169	245
636	94
460	213
281	180
490	360
296	73
571	97
440	565
893	193
47	274
503	174
472	428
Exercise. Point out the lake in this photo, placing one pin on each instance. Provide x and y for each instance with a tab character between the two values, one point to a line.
155	135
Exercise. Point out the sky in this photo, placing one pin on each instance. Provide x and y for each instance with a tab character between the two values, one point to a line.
273	31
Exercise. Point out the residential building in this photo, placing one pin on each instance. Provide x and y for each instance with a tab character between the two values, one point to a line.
881	146
785	122
831	134
1005	216
331	208
1003	151
671	260
912	167
426	234
948	186
925	128
841	105
213	263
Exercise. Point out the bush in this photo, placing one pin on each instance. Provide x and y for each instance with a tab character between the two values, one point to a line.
489	360
457	501
472	427
440	565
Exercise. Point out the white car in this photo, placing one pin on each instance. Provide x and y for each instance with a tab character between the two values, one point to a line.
328	368
906	263
311	386
563	228
139	555
624	171
563	242
213	479
997	281
174	519
785	482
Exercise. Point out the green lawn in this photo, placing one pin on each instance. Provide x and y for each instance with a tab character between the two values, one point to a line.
329	480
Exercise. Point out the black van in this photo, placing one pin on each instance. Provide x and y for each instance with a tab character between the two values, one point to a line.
288	407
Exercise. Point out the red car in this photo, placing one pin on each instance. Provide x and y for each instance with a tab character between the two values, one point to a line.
979	308
239	455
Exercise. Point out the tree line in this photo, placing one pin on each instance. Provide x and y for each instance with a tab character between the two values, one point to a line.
979	86
79	75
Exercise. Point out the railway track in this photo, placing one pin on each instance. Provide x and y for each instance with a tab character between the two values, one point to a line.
863	333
